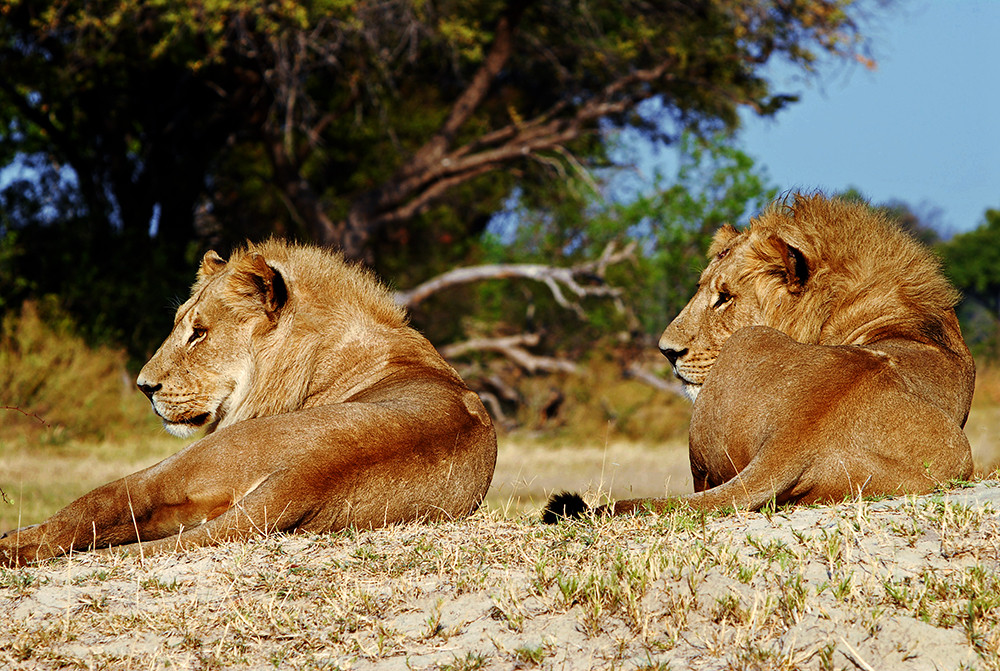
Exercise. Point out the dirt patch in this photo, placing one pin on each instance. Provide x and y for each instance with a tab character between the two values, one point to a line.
907	583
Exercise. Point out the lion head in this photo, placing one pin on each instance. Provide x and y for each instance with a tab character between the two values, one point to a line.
256	335
823	271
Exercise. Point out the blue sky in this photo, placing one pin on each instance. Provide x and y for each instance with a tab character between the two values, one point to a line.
924	127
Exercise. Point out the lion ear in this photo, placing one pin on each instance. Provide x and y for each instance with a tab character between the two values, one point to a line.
211	263
721	241
256	279
792	263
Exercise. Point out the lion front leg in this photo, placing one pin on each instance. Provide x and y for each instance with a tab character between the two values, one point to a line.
152	504
92	520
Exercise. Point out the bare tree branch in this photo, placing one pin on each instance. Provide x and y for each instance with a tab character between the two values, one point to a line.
474	94
435	167
492	404
505	390
433	170
512	347
637	372
555	278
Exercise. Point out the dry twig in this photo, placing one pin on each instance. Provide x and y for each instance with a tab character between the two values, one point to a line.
512	347
558	280
25	413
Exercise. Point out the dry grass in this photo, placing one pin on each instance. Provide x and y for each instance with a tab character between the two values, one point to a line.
983	427
59	386
529	471
901	584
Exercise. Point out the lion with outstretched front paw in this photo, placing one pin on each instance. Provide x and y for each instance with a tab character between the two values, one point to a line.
825	361
323	408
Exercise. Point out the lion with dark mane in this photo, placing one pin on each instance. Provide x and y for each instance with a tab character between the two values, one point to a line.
825	361
323	408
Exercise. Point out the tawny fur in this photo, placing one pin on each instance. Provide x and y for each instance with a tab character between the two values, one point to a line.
331	297
867	278
825	361
323	409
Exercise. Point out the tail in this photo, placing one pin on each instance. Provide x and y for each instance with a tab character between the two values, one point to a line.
564	506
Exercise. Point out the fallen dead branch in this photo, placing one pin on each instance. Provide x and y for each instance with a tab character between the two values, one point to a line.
512	347
637	372
583	280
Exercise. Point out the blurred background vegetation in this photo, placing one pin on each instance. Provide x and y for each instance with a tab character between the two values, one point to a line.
417	137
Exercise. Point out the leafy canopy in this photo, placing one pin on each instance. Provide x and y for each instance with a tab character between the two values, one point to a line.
393	129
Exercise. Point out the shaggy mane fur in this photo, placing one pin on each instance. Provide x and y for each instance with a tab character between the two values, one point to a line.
336	315
867	280
321	280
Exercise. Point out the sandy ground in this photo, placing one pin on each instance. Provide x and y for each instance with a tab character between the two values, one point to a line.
905	583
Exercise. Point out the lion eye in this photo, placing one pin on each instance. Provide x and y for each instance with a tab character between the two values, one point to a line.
197	333
723	298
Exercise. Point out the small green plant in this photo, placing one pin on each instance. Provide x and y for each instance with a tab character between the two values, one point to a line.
792	599
530	655
745	574
772	551
825	655
512	616
434	627
569	588
471	662
841	589
728	610
156	585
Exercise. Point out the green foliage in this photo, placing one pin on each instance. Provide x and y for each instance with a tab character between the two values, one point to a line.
972	260
671	224
673	221
715	184
13	286
393	129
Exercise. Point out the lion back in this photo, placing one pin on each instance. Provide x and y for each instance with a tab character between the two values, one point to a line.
870	282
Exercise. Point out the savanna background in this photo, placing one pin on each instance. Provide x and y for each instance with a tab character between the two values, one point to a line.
480	156
538	182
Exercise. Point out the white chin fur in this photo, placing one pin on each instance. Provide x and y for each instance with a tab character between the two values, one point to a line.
691	391
180	430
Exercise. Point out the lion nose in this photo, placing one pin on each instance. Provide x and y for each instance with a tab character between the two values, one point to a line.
148	389
672	353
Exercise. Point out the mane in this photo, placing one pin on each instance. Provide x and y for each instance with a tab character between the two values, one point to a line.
337	312
868	280
322	281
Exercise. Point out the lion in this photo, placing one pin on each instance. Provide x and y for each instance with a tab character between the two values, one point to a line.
825	361
323	409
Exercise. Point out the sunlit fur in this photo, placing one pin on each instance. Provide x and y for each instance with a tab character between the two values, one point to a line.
868	279
331	304
322	409
825	360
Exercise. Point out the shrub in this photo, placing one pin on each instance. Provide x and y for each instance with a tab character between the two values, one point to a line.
53	383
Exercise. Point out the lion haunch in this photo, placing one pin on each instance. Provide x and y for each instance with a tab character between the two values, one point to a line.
825	361
323	410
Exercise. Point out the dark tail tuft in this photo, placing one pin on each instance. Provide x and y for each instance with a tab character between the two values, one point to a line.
564	506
